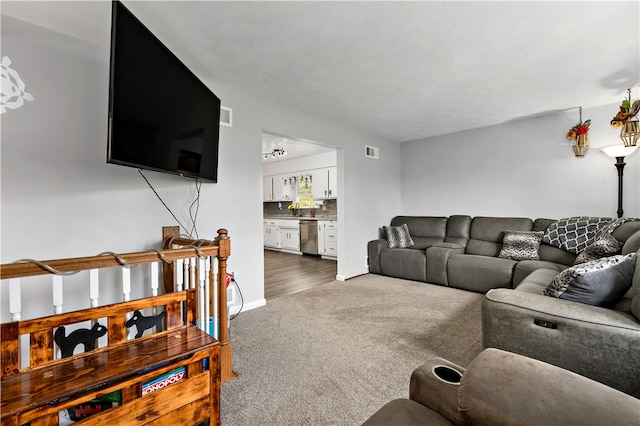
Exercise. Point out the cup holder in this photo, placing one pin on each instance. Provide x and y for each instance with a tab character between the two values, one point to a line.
447	374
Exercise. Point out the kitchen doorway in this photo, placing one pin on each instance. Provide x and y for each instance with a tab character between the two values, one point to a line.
291	160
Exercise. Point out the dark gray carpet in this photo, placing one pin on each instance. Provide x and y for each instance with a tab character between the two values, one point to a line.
334	354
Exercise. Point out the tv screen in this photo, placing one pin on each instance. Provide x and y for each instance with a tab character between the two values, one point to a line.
161	116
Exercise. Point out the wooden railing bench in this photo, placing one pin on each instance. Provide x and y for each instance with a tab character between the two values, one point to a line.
38	394
43	375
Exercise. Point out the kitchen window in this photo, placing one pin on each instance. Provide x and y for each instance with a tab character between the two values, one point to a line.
305	196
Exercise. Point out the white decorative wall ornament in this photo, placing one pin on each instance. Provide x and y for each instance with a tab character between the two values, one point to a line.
12	89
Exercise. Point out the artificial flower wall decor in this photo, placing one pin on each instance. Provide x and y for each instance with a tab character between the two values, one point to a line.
579	129
580	136
13	88
627	120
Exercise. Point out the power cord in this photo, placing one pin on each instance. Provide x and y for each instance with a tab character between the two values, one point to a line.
196	203
233	280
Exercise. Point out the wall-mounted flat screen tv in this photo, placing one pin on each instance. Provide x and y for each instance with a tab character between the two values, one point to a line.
161	116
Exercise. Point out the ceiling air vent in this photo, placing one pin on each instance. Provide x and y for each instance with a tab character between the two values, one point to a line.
226	116
371	151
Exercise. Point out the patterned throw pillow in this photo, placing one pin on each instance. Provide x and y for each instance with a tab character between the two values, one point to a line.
600	282
606	246
574	234
398	236
521	245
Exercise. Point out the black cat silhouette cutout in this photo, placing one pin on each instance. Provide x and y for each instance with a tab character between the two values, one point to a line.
84	336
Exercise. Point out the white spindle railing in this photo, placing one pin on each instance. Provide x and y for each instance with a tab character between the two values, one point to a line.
57	293
201	301
192	273
155	275
57	286
200	273
178	275
185	271
154	278
214	299
200	269
15	300
207	293
94	287
126	284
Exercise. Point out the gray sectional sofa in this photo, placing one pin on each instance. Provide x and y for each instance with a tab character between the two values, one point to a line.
463	252
457	251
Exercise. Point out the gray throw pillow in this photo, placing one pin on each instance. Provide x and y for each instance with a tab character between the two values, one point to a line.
606	246
521	245
398	236
600	282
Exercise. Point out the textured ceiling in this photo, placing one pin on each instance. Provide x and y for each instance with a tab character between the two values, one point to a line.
400	70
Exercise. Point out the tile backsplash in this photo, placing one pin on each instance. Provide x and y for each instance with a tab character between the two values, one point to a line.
279	209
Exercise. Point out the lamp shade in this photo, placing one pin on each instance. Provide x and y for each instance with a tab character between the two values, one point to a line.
618	150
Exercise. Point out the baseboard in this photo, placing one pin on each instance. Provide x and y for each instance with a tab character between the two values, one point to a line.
253	305
343	278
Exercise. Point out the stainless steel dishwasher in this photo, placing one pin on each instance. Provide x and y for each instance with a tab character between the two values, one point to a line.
309	236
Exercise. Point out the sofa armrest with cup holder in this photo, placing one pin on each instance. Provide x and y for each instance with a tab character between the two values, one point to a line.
503	388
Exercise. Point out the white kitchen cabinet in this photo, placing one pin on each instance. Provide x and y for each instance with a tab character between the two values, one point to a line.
325	183
289	234
333	182
290	239
290	187
320	183
321	249
328	238
284	187
267	188
271	234
279	188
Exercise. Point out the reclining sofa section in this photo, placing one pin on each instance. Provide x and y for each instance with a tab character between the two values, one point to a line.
463	252
458	251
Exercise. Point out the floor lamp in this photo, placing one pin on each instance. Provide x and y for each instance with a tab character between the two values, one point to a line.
619	152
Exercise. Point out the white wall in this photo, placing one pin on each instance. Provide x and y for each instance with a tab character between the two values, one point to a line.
522	168
60	199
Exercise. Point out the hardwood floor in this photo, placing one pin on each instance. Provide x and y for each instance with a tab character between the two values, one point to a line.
286	273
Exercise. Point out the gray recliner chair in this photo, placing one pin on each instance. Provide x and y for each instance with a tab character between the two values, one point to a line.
503	388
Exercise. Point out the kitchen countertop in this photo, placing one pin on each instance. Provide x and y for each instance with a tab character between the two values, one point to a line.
301	218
